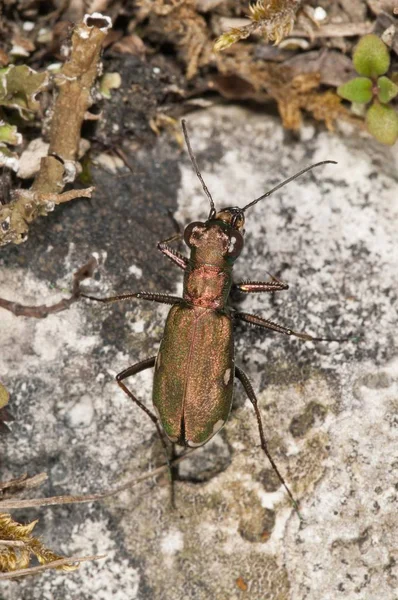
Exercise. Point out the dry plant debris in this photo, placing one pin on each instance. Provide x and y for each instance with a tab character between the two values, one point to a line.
179	23
309	38
310	56
293	92
272	19
17	544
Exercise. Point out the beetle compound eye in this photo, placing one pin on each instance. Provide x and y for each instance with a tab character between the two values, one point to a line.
235	244
192	231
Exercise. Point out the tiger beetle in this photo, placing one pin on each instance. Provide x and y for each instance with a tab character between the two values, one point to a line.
195	366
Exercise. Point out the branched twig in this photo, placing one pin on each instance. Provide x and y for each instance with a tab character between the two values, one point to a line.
75	83
26	206
55	500
14	486
74	97
42	311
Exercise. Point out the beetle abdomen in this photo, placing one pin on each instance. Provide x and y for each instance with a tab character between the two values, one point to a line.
194	374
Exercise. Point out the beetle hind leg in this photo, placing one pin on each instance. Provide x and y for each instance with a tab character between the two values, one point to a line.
241	375
133	370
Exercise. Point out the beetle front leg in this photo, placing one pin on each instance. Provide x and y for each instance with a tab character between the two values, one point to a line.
176	257
133	370
241	375
265	324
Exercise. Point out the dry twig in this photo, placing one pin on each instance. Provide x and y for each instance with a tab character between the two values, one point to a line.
55	564
42	311
56	500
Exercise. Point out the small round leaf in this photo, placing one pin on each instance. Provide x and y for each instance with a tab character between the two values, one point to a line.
387	89
382	122
357	90
371	57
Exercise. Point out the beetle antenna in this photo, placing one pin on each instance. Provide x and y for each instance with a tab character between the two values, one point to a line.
277	187
198	173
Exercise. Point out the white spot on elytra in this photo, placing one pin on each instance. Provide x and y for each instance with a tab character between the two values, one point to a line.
218	425
194	444
227	376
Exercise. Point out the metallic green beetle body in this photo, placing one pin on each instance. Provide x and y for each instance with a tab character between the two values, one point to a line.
194	374
194	370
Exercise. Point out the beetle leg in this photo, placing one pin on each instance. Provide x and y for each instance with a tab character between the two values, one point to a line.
249	287
275	285
176	257
153	296
265	324
241	375
133	370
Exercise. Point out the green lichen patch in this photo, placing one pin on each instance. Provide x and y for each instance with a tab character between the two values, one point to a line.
19	87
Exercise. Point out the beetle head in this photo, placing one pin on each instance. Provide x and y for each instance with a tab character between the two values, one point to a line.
233	216
221	236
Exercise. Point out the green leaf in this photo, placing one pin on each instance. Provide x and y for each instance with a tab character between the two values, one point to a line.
387	89
356	90
382	122
371	57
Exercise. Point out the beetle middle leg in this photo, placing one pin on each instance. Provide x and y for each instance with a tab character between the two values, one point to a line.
152	296
249	287
133	370
241	375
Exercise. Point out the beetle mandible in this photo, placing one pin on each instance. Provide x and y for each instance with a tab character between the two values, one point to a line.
195	366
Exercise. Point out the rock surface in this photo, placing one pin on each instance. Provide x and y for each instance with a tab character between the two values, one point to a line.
329	409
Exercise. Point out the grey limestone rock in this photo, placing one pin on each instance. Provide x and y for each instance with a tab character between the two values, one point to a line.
329	409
